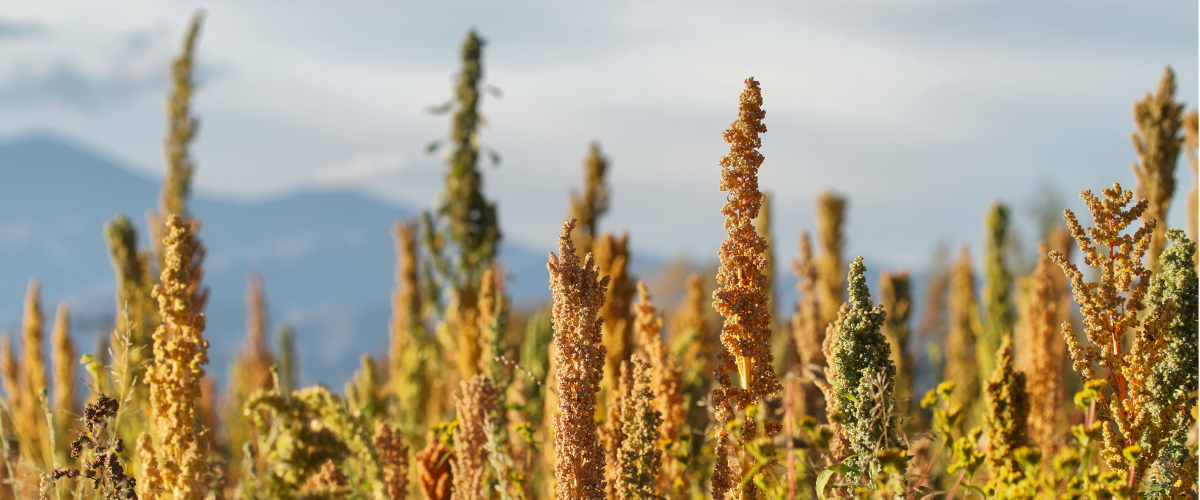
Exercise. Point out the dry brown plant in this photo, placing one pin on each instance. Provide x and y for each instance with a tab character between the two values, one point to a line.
741	297
133	276
393	459
1007	414
474	406
1111	308
492	307
689	321
666	382
30	414
1044	368
579	357
1157	142
434	476
762	226
964	330
175	454
612	433
463	318
66	403
9	371
177	183
328	482
666	376
831	265
895	290
639	459
250	373
63	360
1060	240
411	354
611	255
808	331
587	207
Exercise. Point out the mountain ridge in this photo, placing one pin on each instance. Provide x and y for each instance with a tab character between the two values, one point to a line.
326	256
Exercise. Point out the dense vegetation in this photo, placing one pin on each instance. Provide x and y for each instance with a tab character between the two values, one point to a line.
606	394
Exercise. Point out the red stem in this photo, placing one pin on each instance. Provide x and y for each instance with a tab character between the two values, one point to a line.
791	467
956	484
928	469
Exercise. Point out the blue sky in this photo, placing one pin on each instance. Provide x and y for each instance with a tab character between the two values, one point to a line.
922	112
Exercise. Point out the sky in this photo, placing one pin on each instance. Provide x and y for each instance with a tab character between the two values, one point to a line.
921	112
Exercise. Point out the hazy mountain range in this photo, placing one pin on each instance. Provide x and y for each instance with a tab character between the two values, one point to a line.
326	257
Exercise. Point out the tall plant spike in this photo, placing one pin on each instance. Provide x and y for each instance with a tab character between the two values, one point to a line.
1045	359
666	376
762	226
256	358
831	266
1112	307
62	357
808	329
741	297
132	268
250	372
997	292
1007	415
1157	141
493	313
31	419
611	255
393	459
181	130
862	376
175	457
1191	134
10	373
473	223
689	321
612	434
287	359
474	409
587	207
411	353
961	356
1174	377
639	459
895	290
579	360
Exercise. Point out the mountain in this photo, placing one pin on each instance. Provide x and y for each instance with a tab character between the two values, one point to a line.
326	257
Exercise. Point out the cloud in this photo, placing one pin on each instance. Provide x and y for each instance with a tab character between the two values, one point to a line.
66	86
10	29
362	167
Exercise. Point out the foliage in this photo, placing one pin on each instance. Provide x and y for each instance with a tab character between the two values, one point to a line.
586	398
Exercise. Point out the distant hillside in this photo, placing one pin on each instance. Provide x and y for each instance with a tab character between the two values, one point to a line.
326	257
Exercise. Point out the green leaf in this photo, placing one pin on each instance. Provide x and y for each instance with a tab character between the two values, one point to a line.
822	480
440	109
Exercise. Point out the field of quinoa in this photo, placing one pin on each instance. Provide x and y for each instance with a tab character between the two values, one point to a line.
1075	378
